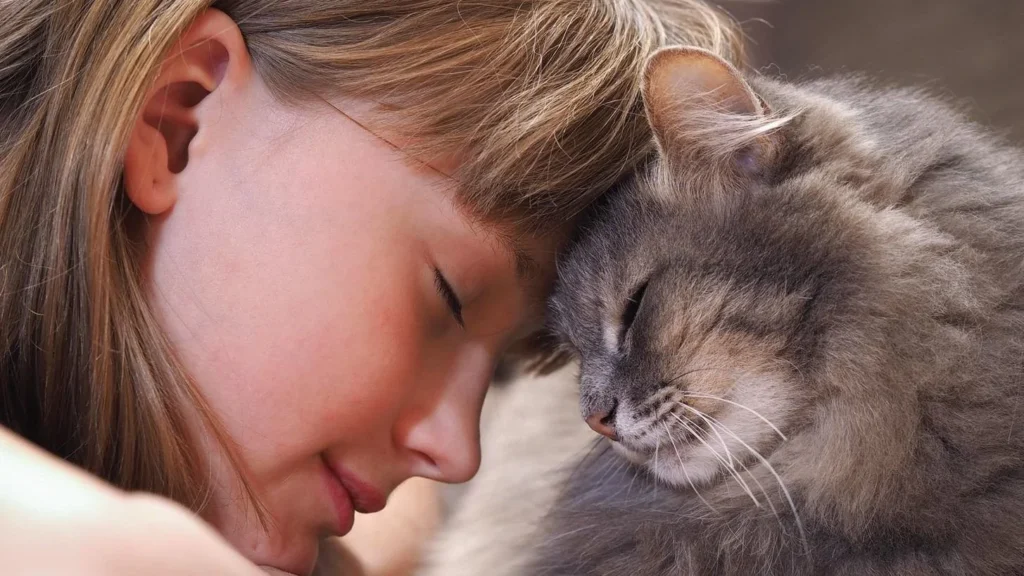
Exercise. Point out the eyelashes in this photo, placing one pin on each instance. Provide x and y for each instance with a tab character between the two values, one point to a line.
631	309
444	288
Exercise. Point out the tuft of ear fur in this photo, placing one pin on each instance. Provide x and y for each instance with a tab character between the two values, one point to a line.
702	110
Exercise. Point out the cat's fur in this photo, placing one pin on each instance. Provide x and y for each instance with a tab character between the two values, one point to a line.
824	373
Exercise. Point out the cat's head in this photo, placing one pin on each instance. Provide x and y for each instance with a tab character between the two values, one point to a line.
713	293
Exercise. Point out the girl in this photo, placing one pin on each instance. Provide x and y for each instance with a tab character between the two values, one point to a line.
259	257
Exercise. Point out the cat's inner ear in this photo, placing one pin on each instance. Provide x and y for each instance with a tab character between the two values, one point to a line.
700	107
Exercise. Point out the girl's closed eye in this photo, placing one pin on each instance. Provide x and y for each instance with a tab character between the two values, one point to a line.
446	291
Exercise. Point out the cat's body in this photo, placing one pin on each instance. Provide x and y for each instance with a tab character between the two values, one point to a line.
810	346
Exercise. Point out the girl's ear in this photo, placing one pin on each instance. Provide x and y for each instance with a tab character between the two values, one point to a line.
208	59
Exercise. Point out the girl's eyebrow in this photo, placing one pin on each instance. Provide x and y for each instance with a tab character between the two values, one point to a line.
526	266
390	144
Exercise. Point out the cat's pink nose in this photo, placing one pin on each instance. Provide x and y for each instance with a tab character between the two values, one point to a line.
597	423
604	423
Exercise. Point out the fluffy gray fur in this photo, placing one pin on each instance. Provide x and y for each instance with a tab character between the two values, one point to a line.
824	373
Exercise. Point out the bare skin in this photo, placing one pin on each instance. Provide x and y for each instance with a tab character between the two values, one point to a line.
47	506
339	311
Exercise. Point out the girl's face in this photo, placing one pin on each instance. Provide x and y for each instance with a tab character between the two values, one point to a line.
339	313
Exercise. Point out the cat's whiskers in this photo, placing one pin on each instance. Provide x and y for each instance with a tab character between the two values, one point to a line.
657	397
737	460
681	400
773	472
767	498
682	467
659	412
740	406
667	389
719	457
705	396
725	446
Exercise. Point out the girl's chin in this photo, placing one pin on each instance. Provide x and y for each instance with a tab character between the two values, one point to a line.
299	563
297	556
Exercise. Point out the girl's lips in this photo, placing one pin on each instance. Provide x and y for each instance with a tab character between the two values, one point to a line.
343	505
364	498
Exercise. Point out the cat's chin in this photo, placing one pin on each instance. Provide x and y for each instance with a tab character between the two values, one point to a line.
635	458
687	474
692	467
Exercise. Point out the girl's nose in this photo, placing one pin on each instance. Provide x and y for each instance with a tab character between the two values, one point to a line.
450	444
448	437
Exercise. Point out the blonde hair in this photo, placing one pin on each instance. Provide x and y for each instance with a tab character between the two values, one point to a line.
540	98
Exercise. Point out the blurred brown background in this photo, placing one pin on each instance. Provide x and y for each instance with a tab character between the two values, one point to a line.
969	50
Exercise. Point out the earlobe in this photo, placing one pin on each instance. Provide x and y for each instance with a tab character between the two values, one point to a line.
146	177
210	58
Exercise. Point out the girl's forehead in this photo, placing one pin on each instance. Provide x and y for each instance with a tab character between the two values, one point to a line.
531	255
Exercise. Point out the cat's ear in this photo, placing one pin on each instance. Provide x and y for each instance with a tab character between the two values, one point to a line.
701	109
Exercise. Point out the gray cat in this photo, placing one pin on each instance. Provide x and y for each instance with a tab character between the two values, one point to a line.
803	327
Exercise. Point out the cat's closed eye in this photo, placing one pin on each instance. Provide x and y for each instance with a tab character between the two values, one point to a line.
630	311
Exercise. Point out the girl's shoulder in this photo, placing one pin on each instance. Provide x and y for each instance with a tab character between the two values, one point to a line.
57	519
